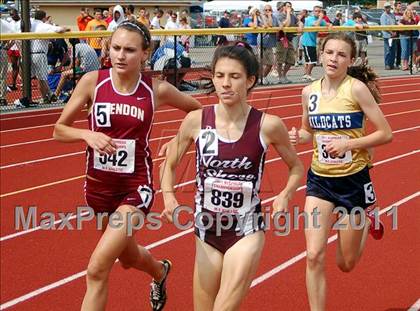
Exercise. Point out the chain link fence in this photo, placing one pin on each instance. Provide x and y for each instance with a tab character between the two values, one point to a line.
181	57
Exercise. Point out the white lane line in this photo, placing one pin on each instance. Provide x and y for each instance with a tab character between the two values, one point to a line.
32	116
57	222
68	155
264	109
27	143
299	87
157	139
255	282
256	91
164	122
61	181
23	232
154	123
166	240
415	306
331	239
154	160
42	160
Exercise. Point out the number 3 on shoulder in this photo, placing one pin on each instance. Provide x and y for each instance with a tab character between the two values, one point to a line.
208	142
313	103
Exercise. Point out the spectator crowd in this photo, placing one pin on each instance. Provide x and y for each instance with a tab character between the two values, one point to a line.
53	67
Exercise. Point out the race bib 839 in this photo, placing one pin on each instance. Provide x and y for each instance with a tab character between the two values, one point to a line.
227	196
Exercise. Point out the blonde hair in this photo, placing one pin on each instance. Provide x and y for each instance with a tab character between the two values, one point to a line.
406	14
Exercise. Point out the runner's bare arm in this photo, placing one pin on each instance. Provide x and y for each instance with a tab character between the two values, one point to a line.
274	133
81	97
167	94
304	134
176	149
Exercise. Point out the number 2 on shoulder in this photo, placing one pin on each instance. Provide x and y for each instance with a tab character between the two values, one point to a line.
208	142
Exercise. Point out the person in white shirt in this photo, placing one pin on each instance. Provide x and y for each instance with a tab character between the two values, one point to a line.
172	24
118	17
39	50
5	28
13	48
156	24
418	52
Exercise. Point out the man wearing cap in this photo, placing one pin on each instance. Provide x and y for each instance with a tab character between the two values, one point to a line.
387	18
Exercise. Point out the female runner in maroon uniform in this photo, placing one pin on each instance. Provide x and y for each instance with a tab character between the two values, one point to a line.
121	102
231	140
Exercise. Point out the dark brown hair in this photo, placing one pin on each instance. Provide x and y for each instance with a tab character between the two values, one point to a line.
363	73
240	51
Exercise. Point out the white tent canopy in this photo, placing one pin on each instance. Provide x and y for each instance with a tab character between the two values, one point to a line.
220	6
299	5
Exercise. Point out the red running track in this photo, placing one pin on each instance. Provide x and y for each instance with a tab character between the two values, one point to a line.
44	269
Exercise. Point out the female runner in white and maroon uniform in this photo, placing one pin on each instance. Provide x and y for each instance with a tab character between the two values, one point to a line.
231	139
121	102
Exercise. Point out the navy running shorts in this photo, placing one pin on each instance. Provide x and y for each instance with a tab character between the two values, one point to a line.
350	191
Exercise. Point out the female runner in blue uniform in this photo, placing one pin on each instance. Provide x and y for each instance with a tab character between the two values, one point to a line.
335	109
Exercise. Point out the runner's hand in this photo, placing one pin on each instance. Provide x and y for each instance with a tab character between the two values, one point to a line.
167	214
337	148
164	149
294	136
100	142
280	204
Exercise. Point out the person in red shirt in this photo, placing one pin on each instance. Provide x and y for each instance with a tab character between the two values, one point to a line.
415	15
408	43
110	18
121	102
83	19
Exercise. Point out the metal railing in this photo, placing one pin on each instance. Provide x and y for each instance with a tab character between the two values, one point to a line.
54	56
